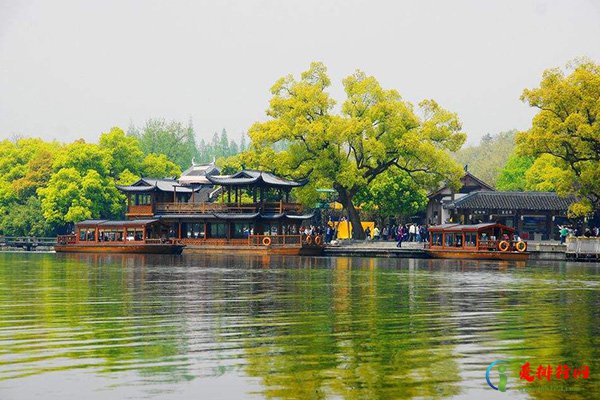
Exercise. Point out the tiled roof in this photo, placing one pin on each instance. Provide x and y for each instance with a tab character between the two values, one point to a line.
152	184
253	177
543	201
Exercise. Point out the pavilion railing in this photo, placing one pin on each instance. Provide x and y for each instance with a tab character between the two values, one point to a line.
205	207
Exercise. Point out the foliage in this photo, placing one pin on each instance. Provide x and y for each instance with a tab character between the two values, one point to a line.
376	130
126	177
124	150
391	194
567	130
159	166
512	175
72	197
545	176
24	219
46	185
83	157
173	139
219	147
487	159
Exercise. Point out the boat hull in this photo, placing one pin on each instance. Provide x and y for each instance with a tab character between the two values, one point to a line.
121	248
254	250
479	255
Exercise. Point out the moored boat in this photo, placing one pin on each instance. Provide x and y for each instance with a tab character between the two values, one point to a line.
248	212
147	236
489	241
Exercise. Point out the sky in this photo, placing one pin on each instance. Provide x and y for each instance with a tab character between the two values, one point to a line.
74	69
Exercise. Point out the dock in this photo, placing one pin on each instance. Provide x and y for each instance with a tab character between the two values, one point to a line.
27	243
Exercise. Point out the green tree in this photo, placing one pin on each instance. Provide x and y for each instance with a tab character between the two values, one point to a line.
159	166
567	130
124	150
375	131
83	157
24	219
173	139
512	175
391	194
72	197
487	159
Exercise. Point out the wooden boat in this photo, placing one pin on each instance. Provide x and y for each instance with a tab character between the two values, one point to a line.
280	244
102	236
489	241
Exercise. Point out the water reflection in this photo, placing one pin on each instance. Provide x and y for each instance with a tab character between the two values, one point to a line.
292	328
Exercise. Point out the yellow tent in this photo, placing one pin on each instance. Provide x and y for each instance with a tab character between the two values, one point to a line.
344	228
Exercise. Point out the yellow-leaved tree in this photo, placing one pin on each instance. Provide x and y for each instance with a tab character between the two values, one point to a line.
565	135
375	131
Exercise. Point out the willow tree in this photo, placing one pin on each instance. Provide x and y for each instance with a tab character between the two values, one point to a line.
374	131
565	134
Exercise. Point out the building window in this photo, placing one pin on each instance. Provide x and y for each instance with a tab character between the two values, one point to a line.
141	199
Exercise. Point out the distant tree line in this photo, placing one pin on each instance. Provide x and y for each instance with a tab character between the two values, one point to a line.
178	142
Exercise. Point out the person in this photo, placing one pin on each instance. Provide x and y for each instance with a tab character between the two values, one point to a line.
376	234
384	233
411	233
328	234
400	236
564	232
368	233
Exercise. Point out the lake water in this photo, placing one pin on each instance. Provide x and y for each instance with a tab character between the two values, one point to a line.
229	327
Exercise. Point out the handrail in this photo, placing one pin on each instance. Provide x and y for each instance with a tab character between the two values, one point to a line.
204	207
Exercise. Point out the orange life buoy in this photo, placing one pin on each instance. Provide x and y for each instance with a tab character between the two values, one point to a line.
319	240
309	239
521	246
266	241
503	245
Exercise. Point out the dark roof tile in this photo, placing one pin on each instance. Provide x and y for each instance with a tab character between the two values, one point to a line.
543	201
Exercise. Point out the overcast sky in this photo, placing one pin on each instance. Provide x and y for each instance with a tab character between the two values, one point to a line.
75	69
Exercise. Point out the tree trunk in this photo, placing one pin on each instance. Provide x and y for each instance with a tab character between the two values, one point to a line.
346	200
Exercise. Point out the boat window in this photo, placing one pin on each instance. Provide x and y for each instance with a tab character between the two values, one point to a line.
192	230
449	239
270	229
218	230
470	239
82	235
134	234
458	240
241	230
436	239
173	230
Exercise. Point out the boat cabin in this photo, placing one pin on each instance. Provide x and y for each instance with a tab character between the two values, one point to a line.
126	232
488	237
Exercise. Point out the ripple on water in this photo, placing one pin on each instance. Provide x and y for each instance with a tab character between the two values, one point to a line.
154	327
